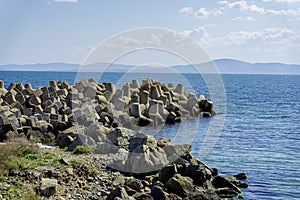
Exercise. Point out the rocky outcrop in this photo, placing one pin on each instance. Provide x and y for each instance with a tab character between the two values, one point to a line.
61	106
105	118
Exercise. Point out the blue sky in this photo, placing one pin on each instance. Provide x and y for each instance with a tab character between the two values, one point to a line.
43	31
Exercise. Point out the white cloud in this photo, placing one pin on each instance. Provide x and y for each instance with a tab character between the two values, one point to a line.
283	1
201	13
243	6
65	1
269	37
243	19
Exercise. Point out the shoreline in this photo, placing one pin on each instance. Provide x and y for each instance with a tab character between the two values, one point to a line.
101	116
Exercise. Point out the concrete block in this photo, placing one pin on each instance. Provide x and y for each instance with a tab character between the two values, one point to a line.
17	105
135	110
9	98
89	92
11	87
39	109
119	104
27	111
135	84
110	87
20	86
179	89
46	117
20	98
154	93
144	97
135	98
126	90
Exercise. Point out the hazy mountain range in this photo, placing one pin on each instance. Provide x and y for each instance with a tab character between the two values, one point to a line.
225	66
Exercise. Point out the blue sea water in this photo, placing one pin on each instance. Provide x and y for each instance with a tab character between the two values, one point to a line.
261	133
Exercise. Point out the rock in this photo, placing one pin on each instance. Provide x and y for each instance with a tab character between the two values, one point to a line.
222	182
241	176
227	192
158	193
142	196
47	187
134	184
199	174
120	137
136	141
106	147
162	142
144	97
174	151
166	173
180	185
173	196
135	110
118	192
149	161
118	179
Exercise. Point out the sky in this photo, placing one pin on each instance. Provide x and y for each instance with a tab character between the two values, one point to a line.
45	31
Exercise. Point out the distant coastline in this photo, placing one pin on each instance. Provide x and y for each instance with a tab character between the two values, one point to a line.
225	66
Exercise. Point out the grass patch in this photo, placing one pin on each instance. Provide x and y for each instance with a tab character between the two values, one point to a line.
19	156
20	192
81	150
75	161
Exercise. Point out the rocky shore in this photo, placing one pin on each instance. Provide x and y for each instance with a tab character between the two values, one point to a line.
123	162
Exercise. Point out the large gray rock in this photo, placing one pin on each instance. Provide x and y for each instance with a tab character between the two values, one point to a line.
47	187
180	185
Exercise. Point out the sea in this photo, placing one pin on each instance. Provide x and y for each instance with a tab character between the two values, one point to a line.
259	120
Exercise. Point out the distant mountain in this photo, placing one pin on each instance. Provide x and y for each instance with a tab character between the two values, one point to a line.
224	66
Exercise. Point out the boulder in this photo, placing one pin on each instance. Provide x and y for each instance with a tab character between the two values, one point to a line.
47	187
158	193
180	185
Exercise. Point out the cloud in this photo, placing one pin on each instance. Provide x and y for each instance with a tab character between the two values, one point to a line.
201	13
65	1
243	19
283	1
243	6
270	37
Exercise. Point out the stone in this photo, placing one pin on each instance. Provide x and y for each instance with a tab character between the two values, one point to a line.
9	98
240	176
135	84
118	179
126	90
106	147
119	104
226	192
142	196
157	119
174	151
134	184
135	110
118	192
223	182
144	97
162	142
120	137
158	193
179	89
47	187
199	174
110	87
138	140
205	105
166	173
154	93
180	185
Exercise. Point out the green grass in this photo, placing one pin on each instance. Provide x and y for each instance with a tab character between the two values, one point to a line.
75	161
81	150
